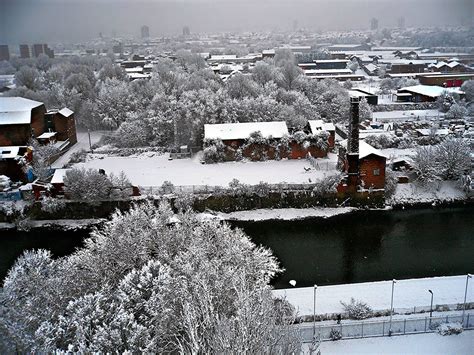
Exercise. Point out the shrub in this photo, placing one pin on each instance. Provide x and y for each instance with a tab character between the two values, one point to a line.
391	182
51	204
214	151
357	309
167	187
450	328
327	185
78	157
335	334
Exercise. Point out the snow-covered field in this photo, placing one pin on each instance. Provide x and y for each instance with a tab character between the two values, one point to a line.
152	169
283	214
462	344
407	294
438	191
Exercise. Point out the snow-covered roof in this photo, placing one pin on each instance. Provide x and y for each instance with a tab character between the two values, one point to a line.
320	125
58	177
406	114
429	90
371	67
438	132
228	131
16	110
65	112
9	152
365	149
327	71
47	135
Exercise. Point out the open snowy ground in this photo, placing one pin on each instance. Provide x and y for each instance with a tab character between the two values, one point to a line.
407	294
152	169
436	191
462	344
285	214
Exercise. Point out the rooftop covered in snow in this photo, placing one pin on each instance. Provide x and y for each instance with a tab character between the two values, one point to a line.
229	131
16	110
320	125
365	149
429	90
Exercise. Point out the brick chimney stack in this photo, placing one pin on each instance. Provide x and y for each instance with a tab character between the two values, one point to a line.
353	148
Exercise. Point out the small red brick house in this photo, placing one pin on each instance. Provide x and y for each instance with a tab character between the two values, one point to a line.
317	126
63	123
9	161
20	120
371	165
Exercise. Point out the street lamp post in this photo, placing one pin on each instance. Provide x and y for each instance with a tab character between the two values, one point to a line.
465	298
431	305
315	287
391	308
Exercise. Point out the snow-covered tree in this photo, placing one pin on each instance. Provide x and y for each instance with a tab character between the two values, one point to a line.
149	281
424	164
28	77
456	112
468	88
43	156
453	158
89	185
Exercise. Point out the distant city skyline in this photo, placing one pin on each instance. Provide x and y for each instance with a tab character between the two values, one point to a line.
29	21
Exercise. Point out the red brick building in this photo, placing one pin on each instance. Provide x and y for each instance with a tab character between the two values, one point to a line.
63	123
371	165
20	120
274	140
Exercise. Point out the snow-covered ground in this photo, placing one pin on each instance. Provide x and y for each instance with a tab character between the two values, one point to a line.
407	294
284	214
82	143
461	344
442	191
152	169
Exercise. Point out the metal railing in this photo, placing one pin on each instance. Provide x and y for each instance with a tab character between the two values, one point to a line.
379	328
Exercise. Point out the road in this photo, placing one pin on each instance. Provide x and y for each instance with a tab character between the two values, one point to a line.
82	143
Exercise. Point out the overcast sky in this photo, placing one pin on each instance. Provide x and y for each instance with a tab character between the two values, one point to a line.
28	21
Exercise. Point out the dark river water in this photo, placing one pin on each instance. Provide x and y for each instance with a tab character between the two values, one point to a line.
358	247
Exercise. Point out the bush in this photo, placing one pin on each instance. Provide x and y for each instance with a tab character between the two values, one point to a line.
51	204
167	187
450	328
214	151
391	181
327	185
335	334
78	157
357	309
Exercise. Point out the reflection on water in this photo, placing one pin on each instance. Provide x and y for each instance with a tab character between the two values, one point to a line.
358	247
370	245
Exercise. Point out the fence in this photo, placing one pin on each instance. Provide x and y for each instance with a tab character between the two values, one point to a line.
206	189
368	329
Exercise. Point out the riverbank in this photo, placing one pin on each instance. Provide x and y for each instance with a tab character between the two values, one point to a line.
409	295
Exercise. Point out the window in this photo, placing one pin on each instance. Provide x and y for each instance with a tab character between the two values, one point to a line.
376	172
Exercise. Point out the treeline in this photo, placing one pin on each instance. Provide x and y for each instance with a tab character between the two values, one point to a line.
172	107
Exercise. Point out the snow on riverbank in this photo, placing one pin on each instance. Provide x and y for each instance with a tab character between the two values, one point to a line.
283	214
407	294
407	344
443	191
152	169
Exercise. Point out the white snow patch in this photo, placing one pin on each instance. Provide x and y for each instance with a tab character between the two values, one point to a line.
407	294
284	214
143	170
405	344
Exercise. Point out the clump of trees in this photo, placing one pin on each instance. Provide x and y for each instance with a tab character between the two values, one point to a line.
149	281
449	160
172	107
92	185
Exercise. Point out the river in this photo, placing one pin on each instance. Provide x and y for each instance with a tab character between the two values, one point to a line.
356	247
